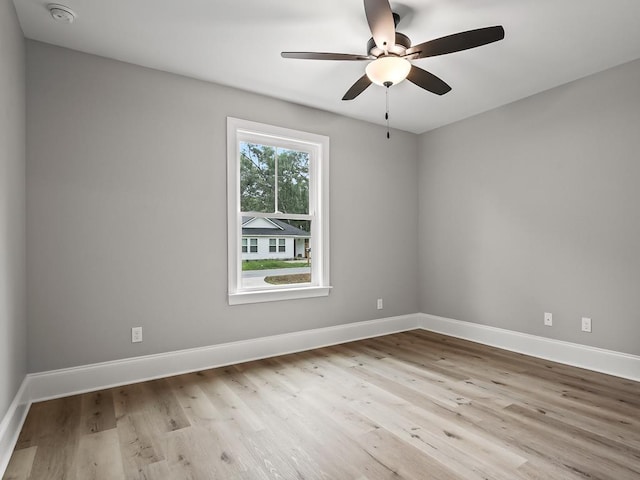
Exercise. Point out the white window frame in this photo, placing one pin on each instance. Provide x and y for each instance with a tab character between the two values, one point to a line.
317	146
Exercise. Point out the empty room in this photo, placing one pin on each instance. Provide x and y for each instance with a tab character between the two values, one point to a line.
319	240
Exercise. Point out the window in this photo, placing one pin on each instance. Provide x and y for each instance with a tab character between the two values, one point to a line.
277	245
277	190
252	243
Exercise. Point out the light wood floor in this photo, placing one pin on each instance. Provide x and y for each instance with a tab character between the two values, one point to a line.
413	405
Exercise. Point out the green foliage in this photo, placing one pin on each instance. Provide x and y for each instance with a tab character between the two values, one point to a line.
258	166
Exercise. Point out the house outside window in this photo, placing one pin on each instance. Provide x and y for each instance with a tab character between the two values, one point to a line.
277	210
278	238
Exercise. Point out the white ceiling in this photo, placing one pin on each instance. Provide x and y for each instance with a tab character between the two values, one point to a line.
238	43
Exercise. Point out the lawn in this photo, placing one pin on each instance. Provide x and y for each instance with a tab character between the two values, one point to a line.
270	264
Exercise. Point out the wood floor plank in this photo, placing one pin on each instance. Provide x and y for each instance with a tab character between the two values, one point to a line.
412	405
618	457
54	429
21	464
405	460
138	444
429	442
98	413
542	444
196	453
231	405
193	400
99	456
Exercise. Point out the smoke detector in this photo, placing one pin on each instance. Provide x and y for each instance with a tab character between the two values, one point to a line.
61	13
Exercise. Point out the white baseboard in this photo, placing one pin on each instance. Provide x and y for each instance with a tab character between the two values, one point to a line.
11	425
597	359
69	381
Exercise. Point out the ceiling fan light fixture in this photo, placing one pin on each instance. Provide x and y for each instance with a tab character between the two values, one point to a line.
388	69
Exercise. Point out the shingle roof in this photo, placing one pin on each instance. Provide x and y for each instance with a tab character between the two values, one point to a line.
284	230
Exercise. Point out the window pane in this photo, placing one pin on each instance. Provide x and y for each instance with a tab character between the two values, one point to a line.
273	179
293	181
286	261
257	178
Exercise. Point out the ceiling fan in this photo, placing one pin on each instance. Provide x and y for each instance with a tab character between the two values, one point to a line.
391	52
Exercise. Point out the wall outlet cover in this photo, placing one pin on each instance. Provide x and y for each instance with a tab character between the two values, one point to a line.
136	335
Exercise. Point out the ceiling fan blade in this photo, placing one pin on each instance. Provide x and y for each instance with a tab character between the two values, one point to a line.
324	56
457	42
357	88
428	81
381	24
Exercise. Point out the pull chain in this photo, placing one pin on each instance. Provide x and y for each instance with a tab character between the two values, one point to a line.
386	114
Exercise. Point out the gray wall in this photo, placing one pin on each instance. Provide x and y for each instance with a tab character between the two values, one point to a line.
535	207
525	209
13	327
126	220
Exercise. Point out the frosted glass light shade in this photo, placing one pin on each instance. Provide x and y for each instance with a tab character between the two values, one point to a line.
388	69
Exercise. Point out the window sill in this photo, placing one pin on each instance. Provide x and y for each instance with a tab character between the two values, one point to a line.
259	296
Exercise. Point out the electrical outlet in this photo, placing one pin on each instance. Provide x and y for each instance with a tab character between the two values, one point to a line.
586	324
379	304
136	335
548	319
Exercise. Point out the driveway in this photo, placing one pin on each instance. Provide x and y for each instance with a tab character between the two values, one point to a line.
275	271
255	278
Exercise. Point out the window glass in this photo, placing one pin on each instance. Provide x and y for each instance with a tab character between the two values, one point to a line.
273	179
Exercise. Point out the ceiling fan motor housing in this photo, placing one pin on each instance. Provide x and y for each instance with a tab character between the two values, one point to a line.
402	44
